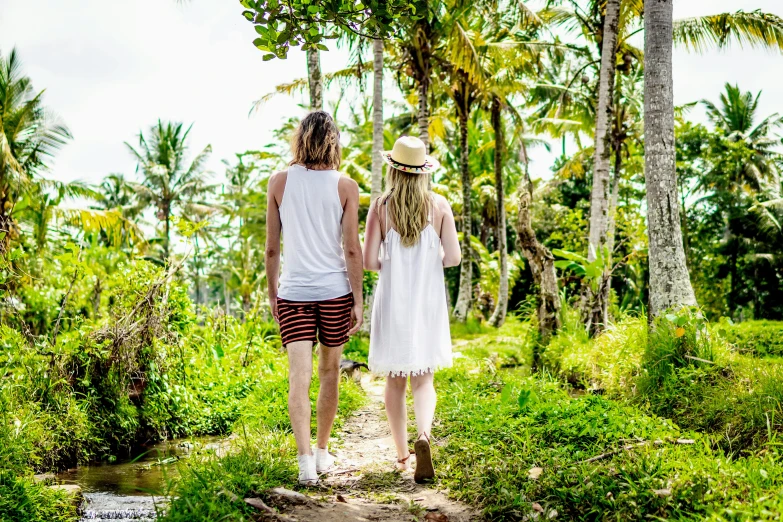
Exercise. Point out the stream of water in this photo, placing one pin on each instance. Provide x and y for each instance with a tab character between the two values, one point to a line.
133	489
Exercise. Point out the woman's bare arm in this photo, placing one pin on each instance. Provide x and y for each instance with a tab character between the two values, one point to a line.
372	239
452	255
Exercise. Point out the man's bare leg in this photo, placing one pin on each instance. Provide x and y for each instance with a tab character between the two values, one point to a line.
300	374
329	392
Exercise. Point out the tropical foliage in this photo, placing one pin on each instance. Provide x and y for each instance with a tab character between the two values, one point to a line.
134	310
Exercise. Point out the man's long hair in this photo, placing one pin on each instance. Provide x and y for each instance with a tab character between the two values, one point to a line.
409	202
316	142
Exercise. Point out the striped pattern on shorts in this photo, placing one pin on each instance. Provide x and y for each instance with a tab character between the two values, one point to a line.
326	322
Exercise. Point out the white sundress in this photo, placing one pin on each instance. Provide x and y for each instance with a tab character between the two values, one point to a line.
410	318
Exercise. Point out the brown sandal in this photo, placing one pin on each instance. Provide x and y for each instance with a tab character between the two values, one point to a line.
404	462
425	471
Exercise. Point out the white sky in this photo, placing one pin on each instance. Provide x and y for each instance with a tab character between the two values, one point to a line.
113	68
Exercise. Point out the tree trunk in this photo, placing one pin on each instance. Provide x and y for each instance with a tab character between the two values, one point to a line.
501	307
377	120
733	275
599	199
421	51
97	290
247	305
8	226
423	114
314	80
464	297
377	148
542	267
610	236
670	285
596	306
168	233
226	295
196	269
684	227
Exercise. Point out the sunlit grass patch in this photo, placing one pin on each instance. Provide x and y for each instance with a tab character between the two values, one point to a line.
263	456
600	458
22	500
212	488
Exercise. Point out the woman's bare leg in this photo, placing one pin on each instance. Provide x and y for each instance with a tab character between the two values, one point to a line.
424	400
397	413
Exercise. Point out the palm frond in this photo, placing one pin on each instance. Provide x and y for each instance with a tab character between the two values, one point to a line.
752	29
110	222
463	55
300	85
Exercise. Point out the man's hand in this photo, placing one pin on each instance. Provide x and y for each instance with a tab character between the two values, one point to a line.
273	308
357	317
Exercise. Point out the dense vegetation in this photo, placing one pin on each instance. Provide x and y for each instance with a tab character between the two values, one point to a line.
135	310
702	444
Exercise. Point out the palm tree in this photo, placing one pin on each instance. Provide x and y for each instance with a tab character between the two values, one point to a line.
670	284
610	29
246	219
733	182
168	180
485	61
501	307
117	194
465	81
39	211
422	44
508	62
736	118
600	194
29	136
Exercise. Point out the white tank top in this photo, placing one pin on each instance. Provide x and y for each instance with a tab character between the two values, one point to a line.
313	260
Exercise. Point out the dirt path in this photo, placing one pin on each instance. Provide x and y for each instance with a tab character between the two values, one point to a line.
364	487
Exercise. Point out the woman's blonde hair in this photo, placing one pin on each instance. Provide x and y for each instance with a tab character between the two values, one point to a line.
316	141
408	201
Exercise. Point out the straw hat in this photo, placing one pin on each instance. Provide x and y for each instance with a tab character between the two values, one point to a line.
409	155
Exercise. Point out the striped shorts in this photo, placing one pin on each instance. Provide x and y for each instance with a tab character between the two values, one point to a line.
301	321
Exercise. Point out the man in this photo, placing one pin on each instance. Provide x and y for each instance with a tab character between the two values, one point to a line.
319	298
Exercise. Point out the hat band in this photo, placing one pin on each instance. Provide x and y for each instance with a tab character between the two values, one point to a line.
406	165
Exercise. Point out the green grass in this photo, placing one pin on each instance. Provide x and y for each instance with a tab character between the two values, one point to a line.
756	338
264	456
212	488
692	376
22	500
499	424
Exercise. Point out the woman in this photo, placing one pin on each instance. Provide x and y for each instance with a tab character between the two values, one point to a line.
410	237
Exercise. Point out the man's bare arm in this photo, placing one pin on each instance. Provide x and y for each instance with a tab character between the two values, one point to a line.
273	229
349	193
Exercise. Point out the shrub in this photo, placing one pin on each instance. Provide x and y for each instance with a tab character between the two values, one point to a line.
675	340
677	369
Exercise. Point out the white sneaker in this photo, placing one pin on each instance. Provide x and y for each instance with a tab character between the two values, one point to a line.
323	460
307	473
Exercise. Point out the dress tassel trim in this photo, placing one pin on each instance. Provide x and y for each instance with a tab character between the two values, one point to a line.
408	371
